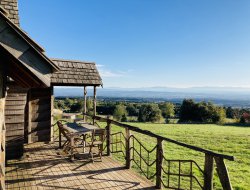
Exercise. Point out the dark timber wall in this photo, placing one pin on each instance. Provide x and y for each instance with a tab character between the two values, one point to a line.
15	106
39	122
27	116
2	129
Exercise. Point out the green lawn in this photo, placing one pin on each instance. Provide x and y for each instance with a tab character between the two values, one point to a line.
229	140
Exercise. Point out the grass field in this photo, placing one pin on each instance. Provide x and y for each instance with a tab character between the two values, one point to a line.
231	140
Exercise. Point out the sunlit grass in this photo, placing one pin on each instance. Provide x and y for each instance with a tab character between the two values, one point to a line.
229	140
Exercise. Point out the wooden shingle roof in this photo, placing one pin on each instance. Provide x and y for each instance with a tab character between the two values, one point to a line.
75	73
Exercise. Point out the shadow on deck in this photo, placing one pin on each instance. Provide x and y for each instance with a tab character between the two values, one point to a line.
43	167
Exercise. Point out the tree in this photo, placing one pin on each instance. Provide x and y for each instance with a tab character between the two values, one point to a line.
77	106
201	112
90	106
245	118
68	103
167	109
187	111
132	110
60	104
149	113
120	112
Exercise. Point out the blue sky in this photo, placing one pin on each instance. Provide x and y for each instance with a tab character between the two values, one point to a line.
145	43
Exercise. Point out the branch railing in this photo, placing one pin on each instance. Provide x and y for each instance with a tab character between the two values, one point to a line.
125	143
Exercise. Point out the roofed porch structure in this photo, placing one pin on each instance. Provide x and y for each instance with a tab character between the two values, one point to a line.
80	74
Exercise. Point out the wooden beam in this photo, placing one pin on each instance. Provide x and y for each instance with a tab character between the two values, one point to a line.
108	138
52	114
128	155
159	160
85	103
223	174
94	104
29	117
208	172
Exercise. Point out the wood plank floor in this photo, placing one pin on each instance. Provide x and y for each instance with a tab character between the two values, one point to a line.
43	167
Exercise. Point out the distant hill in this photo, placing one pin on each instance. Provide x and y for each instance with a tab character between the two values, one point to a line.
236	97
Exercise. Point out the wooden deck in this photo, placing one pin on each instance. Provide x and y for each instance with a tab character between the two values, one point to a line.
43	167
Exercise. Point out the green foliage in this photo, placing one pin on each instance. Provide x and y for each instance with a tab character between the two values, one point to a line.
132	110
68	102
234	113
201	112
167	109
149	113
124	118
89	104
120	112
77	106
106	108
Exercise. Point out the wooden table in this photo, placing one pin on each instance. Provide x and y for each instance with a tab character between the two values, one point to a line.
77	129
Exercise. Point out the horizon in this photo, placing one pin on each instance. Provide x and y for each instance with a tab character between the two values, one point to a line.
165	87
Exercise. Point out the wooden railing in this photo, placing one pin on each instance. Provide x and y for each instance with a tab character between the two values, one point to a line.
125	143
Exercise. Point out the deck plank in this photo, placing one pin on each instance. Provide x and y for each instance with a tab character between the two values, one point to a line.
44	168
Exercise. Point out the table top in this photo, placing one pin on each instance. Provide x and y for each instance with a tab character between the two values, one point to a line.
80	128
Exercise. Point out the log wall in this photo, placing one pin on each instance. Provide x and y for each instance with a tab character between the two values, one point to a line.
2	130
27	117
39	115
16	105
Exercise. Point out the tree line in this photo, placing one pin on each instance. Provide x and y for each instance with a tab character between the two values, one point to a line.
188	111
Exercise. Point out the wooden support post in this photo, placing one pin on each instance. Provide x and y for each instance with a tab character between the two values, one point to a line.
223	173
128	155
60	138
108	138
159	159
208	172
85	103
52	115
94	104
29	117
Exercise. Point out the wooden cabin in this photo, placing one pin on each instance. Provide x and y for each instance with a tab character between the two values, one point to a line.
26	86
24	67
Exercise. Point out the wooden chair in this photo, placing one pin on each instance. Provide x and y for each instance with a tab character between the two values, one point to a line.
97	140
72	142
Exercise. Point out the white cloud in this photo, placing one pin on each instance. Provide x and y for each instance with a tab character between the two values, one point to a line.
108	73
99	65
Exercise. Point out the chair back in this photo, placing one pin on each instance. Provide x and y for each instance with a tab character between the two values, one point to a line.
99	134
63	130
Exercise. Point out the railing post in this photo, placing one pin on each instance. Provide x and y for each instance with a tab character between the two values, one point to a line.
223	174
159	159
108	139
128	155
208	172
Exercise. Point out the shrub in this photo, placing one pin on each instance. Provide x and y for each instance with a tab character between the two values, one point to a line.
149	113
120	112
245	118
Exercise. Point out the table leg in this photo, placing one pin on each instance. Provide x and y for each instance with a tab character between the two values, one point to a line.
72	145
84	143
60	139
